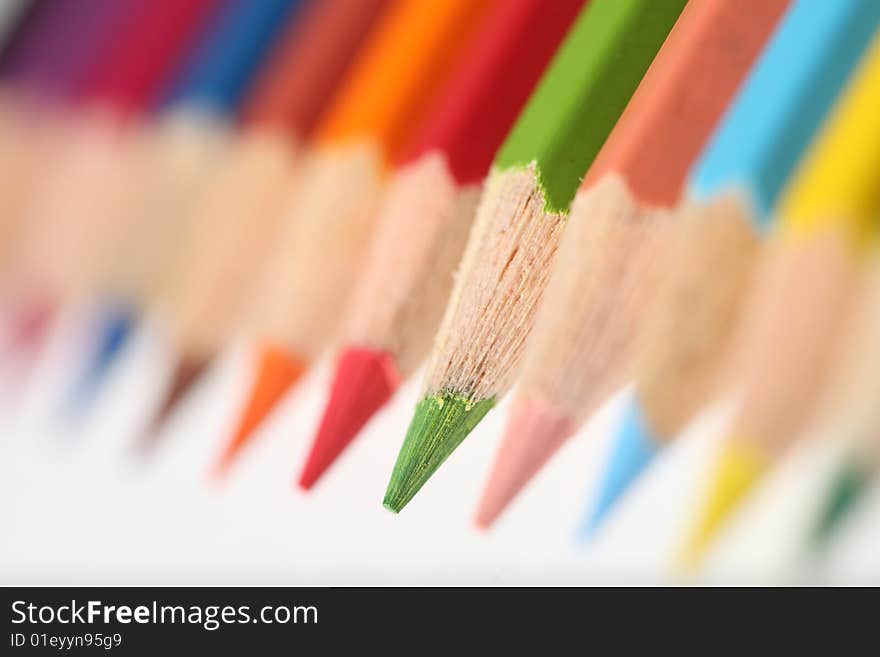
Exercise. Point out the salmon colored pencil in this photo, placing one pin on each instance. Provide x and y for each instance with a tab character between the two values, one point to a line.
400	294
611	254
829	220
331	209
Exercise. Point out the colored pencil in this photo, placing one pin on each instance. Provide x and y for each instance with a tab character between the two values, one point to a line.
184	143
35	75
148	41
149	46
145	44
611	255
298	81
829	217
519	222
16	27
309	272
728	206
58	42
257	159
61	42
76	220
233	224
849	413
287	95
173	165
397	301
122	58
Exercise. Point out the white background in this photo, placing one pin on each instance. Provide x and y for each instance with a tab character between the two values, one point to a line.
78	506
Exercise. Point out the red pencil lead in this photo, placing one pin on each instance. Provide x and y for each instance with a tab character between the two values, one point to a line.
364	381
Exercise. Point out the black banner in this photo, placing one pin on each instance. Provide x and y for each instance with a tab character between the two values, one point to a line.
404	621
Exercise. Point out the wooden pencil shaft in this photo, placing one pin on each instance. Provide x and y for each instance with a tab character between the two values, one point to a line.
686	336
502	275
399	298
789	335
234	224
607	270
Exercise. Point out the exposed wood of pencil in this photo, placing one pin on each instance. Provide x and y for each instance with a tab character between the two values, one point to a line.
34	141
503	273
232	228
313	261
61	225
400	294
789	336
687	331
610	261
787	341
849	410
611	257
183	151
111	169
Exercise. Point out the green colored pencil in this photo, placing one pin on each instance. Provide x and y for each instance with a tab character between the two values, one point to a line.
519	222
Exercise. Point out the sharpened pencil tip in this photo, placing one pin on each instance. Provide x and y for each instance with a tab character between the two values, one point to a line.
365	379
440	423
634	448
187	371
276	372
846	488
116	327
390	507
534	433
737	470
29	325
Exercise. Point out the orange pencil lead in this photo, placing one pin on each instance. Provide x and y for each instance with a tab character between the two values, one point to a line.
277	371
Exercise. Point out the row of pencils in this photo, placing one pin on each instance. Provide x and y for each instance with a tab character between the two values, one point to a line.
680	198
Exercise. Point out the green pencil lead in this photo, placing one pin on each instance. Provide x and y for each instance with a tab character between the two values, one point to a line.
439	425
847	487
